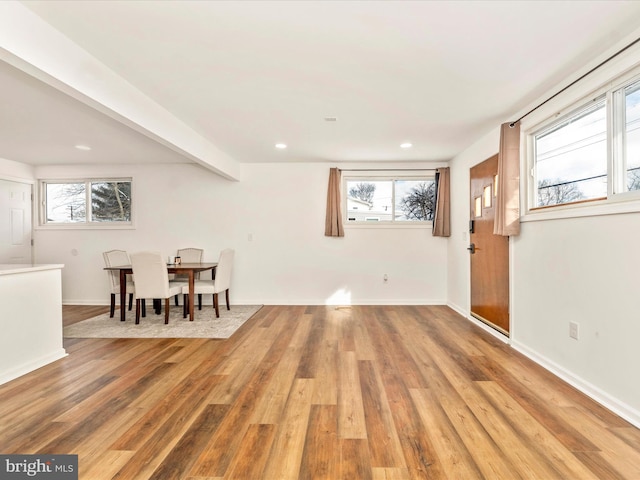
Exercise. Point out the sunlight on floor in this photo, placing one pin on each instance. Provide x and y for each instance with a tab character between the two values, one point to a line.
339	297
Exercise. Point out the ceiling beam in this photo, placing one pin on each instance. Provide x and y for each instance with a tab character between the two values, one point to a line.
30	44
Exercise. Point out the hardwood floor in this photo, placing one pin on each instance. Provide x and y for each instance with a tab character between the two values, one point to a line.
314	392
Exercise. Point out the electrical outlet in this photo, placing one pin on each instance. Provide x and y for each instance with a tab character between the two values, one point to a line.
573	330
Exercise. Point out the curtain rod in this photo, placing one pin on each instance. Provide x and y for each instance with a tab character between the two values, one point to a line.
387	169
512	124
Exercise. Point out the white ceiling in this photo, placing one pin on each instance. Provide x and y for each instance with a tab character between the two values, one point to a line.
40	125
245	75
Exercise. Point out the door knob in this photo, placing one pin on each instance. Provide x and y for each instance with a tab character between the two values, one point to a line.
472	248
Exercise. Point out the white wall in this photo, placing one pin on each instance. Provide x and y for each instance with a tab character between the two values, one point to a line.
583	270
16	171
565	269
288	260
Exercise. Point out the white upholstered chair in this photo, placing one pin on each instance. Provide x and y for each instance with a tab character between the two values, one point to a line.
152	280
190	255
115	258
219	285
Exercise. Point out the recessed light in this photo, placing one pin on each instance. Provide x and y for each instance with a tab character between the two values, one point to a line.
281	146
83	147
406	145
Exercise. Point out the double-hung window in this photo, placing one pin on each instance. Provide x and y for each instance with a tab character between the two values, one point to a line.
390	200
86	202
591	153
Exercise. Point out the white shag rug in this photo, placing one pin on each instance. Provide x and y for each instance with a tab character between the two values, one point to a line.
204	325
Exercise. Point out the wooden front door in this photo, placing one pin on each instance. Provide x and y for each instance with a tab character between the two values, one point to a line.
489	253
15	222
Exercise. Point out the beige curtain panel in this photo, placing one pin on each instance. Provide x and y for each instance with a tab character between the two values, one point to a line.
333	223
442	217
507	217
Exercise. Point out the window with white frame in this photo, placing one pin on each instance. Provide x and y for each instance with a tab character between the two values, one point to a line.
389	200
86	202
630	136
591	153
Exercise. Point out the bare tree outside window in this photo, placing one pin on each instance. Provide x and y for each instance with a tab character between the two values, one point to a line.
633	179
66	202
363	191
419	202
97	201
389	200
556	192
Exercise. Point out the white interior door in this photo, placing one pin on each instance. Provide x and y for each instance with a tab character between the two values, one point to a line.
15	222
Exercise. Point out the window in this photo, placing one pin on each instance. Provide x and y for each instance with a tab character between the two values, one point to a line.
591	153
631	136
86	202
571	158
395	200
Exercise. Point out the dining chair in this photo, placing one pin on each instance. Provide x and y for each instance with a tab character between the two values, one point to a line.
115	258
152	281
218	285
190	255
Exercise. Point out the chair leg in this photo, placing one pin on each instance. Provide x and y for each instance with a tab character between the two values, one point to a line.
226	294
138	310
167	305
144	307
215	305
185	302
130	301
199	301
176	300
112	309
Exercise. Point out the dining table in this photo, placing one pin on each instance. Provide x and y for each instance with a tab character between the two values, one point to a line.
189	269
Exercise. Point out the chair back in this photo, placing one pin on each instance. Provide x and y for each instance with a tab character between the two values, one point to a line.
150	272
191	255
115	258
223	270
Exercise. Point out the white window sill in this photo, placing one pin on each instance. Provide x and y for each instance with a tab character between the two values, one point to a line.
85	226
620	204
378	225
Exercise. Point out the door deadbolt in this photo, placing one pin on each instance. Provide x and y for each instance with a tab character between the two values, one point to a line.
472	248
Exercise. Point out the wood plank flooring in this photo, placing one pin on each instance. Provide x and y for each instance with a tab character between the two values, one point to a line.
358	393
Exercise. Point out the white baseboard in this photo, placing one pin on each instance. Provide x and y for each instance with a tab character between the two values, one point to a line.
603	398
323	301
19	370
94	302
618	407
207	300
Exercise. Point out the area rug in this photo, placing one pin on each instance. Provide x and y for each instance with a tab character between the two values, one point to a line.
204	325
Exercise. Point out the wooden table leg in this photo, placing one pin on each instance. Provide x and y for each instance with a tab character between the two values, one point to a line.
123	294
